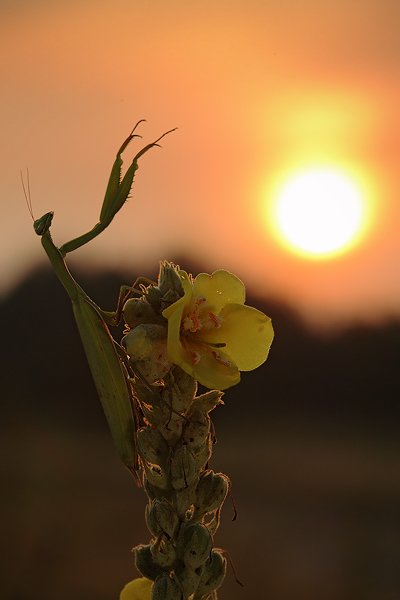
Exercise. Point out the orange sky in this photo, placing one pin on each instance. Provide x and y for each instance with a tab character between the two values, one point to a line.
256	88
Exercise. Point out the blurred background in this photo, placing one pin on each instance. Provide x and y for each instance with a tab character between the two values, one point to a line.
262	93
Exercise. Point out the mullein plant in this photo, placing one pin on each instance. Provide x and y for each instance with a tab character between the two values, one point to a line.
179	332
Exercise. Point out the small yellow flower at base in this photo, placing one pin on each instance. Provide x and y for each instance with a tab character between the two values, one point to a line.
212	334
138	589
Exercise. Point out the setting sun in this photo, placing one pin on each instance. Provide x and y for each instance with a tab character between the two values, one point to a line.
320	212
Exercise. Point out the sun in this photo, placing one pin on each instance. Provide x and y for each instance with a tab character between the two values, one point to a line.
320	212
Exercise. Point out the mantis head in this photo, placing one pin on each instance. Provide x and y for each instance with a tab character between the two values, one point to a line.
42	225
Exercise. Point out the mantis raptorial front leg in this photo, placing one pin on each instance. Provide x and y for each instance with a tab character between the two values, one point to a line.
108	369
117	192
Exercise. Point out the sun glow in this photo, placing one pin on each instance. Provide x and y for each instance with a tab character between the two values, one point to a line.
320	212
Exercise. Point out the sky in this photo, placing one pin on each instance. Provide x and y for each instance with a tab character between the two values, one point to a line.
258	91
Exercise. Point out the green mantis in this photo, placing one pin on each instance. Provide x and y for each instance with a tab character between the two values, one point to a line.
105	357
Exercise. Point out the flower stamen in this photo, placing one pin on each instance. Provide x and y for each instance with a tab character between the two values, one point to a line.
215	320
191	323
195	357
223	361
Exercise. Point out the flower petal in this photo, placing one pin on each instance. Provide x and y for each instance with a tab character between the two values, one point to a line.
187	283
138	589
215	373
247	333
220	288
174	313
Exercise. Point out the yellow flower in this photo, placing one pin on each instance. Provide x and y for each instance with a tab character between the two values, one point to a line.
212	335
138	589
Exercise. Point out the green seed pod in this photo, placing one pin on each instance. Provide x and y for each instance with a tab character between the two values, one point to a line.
162	518
137	311
155	490
197	545
146	342
185	499
153	297
188	580
212	576
153	371
196	430
163	553
140	342
166	588
183	468
151	522
156	476
171	427
180	390
146	346
154	409
208	401
213	521
202	455
145	563
210	493
152	446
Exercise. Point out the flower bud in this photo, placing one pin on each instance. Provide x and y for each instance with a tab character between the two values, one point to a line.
188	580
212	576
184	501
183	468
137	311
166	588
211	492
161	518
153	297
197	545
152	446
157	486
151	521
202	454
196	430
171	426
156	476
170	283
145	563
140	342
208	401
152	405
163	553
146	346
181	390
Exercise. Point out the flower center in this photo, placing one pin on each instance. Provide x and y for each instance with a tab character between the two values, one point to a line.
200	317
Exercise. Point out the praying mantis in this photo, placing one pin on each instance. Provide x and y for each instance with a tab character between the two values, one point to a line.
105	356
